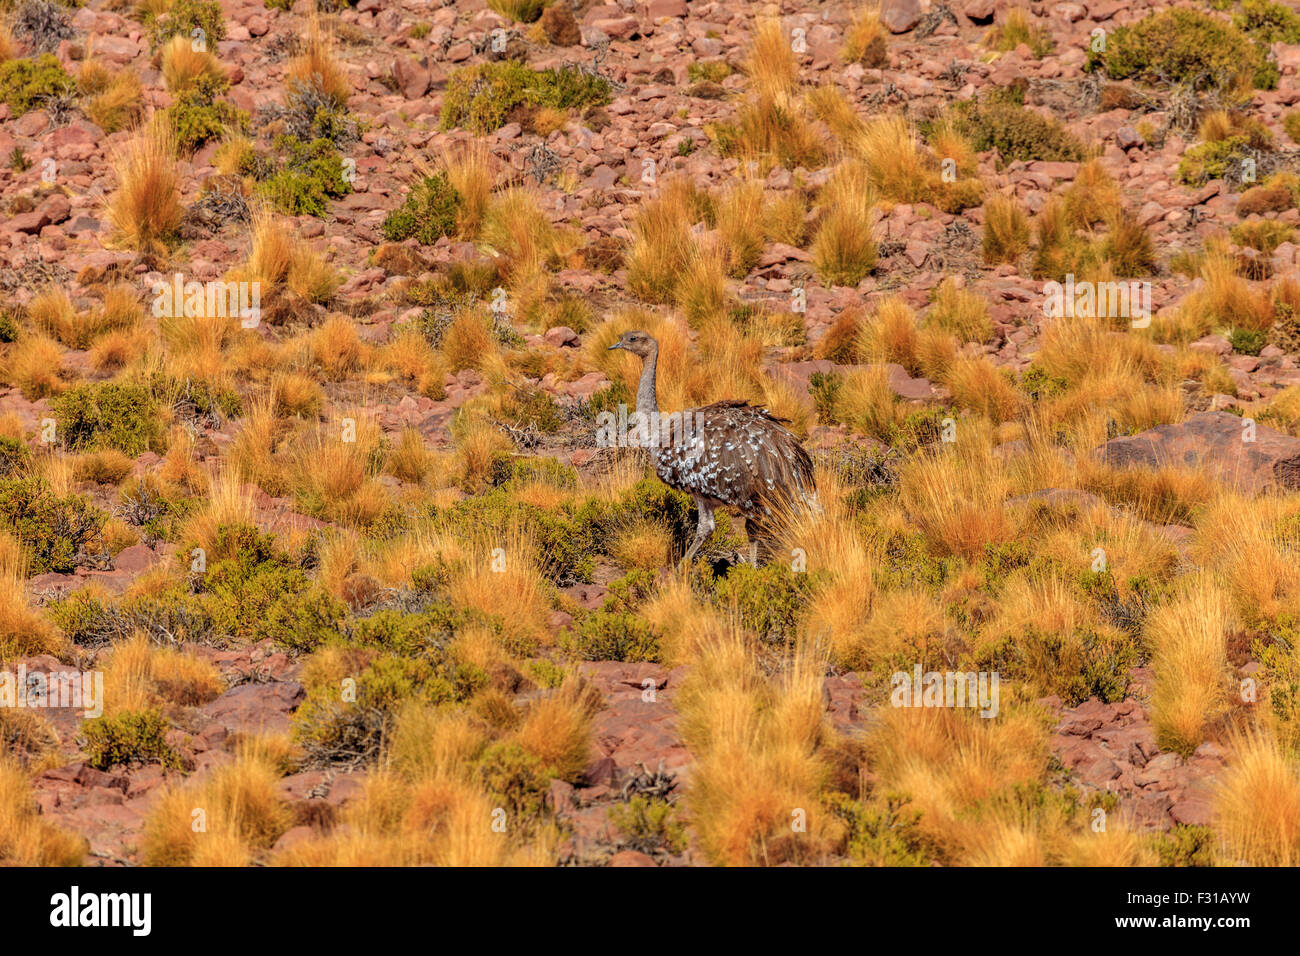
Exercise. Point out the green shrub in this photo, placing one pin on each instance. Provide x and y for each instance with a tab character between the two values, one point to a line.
1268	22
428	213
25	83
335	730
769	600
516	780
109	415
198	117
130	737
1016	132
610	635
14	456
569	538
252	590
531	407
480	97
1186	845
1291	124
881	834
56	531
1248	341
712	71
184	17
648	825
824	390
1219	159
313	174
1185	46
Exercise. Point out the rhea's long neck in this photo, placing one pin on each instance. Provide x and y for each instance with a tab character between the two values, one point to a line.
646	400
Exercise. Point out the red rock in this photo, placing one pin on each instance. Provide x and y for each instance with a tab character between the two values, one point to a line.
899	16
1216	442
412	78
253	707
562	337
138	557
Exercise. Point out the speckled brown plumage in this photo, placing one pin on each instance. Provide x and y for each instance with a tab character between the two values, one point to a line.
728	454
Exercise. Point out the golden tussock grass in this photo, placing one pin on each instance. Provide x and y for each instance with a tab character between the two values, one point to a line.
557	729
183	66
864	40
26	839
140	674
119	105
843	252
240	809
1006	230
1188	639
1257	804
897	163
740	226
1241	539
23	630
866	403
519	234
960	311
501	573
977	384
35	365
754	795
948	761
662	241
956	498
770	64
317	67
436	820
145	208
472	172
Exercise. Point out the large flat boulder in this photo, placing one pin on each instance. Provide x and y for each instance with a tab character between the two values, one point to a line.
1219	443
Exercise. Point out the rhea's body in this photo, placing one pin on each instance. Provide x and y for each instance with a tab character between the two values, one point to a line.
728	454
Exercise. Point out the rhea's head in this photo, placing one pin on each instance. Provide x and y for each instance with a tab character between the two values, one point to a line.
638	343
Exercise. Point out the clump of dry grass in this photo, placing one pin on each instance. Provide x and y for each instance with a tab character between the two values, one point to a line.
1257	804
471	170
843	251
145	209
1189	656
960	311
24	631
119	104
316	67
183	66
1006	231
25	838
230	818
755	792
662	240
864	40
957	499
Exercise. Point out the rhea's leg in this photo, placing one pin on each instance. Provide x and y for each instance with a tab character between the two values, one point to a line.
760	541
702	530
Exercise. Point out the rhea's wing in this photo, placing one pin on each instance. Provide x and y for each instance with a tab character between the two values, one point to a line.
737	454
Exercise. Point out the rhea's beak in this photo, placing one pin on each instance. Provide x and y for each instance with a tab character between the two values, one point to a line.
616	345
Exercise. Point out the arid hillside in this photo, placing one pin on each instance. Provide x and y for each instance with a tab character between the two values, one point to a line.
319	478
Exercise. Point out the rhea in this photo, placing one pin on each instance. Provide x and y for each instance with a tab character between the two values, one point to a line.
728	454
